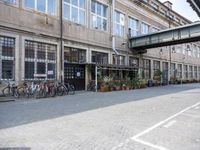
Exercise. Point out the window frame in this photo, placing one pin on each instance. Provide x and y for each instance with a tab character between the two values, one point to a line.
99	16
122	27
6	41
135	30
48	47
146	24
46	7
70	12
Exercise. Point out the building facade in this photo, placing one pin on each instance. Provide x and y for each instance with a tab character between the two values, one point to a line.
38	41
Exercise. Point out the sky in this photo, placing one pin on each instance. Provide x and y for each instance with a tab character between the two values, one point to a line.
183	8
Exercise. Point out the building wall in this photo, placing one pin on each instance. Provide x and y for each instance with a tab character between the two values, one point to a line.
22	23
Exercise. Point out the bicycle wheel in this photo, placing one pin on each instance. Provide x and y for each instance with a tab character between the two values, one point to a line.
15	93
52	92
59	90
21	91
6	91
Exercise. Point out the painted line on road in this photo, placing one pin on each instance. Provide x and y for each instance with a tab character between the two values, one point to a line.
164	121
169	124
196	107
136	137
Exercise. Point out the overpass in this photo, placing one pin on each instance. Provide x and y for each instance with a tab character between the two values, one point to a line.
172	36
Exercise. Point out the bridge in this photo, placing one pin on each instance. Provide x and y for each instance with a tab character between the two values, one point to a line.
172	36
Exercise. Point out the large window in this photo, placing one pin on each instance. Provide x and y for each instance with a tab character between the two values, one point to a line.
172	70
185	69
145	28
46	6
99	58
119	23
156	66
190	72
179	71
146	69
133	61
99	16
7	50
195	72
40	60
74	10
133	26
74	55
118	60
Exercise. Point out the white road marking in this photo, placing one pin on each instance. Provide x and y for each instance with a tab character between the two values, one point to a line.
150	144
196	107
136	137
164	121
169	124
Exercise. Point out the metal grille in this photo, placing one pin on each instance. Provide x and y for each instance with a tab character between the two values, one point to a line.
40	60
99	58
7	49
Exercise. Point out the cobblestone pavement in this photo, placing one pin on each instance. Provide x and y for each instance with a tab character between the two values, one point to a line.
147	119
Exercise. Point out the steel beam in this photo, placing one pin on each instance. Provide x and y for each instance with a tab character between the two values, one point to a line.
172	36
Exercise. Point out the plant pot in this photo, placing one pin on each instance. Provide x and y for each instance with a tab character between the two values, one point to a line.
104	88
118	88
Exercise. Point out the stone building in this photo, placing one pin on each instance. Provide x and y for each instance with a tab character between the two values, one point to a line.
39	41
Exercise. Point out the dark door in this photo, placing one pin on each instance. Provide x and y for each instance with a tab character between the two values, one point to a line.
75	74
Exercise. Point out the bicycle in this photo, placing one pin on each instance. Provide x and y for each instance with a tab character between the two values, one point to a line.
67	88
91	86
10	90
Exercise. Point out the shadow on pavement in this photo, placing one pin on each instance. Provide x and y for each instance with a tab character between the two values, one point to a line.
22	112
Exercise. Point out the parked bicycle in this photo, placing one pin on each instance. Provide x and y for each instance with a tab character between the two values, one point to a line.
91	86
10	90
67	88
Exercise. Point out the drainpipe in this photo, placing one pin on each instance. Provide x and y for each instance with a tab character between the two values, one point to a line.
61	39
113	25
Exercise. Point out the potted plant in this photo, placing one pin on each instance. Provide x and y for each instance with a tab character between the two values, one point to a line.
117	85
105	84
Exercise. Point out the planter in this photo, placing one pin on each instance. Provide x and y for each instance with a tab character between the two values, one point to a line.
118	88
104	88
123	87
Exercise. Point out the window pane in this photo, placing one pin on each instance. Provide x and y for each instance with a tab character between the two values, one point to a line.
7	69
99	9
67	1
82	3
104	11
51	70
75	2
29	3
41	68
29	70
82	17
41	4
94	21
93	6
66	11
104	24
74	14
8	47
98	22
51	7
